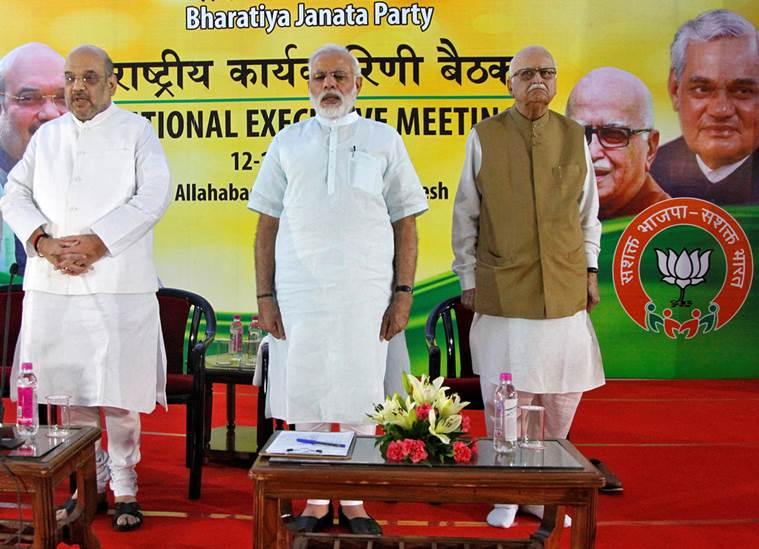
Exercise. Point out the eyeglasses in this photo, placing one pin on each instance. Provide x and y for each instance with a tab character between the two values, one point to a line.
337	76
529	73
612	137
35	100
89	79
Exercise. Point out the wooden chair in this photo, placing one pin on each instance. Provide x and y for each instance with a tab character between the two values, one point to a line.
16	296
456	321
185	367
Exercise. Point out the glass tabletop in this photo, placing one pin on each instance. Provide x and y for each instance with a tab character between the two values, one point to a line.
365	452
229	361
38	445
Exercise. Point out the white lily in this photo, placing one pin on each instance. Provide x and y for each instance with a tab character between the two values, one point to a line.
449	405
381	411
438	428
421	390
402	418
396	412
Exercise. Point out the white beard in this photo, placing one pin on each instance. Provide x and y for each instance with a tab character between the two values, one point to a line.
333	112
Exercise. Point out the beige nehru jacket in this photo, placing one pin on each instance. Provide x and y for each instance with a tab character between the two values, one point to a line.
530	250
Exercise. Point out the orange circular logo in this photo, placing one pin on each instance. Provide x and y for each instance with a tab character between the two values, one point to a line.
680	248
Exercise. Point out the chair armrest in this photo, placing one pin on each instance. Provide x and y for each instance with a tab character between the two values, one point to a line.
433	357
197	361
433	350
198	353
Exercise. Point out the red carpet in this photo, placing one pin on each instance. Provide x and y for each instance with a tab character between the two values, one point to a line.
687	452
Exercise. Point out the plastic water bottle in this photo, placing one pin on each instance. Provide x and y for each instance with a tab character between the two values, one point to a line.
505	419
235	338
255	335
27	418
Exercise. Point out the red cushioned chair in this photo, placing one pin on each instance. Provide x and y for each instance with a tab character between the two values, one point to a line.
456	321
14	325
181	315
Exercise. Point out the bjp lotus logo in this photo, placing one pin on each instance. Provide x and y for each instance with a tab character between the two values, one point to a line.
715	255
686	269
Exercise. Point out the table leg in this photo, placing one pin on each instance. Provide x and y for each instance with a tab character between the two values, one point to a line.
86	483
584	524
230	407
44	514
551	527
268	529
231	391
209	415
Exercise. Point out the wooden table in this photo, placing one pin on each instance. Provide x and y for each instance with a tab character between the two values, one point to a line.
40	475
527	477
232	443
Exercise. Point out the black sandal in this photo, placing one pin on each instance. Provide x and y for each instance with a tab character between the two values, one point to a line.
131	508
102	506
303	524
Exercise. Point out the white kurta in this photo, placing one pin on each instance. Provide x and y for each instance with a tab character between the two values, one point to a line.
557	355
94	336
336	186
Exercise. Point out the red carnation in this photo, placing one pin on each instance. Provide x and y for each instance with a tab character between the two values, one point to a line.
461	452
418	451
423	411
407	444
395	451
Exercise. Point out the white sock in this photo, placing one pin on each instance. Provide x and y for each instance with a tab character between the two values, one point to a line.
502	515
537	510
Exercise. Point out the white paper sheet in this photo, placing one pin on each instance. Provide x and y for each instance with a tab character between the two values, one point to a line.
310	443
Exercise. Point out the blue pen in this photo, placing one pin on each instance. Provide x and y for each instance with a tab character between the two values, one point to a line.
311	441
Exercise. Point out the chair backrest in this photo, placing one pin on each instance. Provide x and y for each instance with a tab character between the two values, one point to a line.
450	311
177	308
456	321
16	296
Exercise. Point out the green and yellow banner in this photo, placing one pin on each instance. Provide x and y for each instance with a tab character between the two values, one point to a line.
218	79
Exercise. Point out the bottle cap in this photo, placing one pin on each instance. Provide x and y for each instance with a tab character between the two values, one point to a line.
505	376
235	317
26	365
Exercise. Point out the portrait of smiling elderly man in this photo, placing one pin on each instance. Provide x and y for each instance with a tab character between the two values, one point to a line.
714	87
616	109
31	93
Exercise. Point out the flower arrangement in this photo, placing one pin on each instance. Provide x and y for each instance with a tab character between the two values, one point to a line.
424	427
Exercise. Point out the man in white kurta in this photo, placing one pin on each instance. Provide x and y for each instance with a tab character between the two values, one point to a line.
337	196
552	356
84	199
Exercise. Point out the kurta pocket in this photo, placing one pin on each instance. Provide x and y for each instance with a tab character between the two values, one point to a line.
366	172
